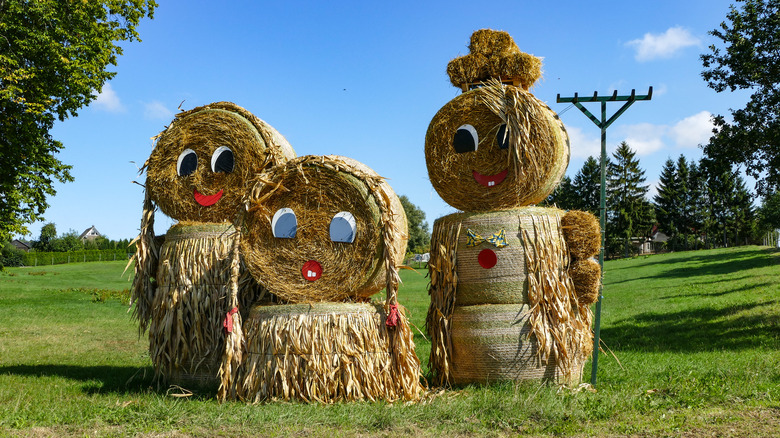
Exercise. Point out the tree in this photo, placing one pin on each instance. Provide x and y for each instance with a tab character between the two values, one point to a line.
564	196
53	59
587	183
769	213
47	239
419	238
750	60
630	214
666	199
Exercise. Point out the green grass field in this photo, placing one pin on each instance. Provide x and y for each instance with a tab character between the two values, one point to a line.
693	350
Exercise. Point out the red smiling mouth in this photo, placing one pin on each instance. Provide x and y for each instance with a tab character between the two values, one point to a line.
206	200
490	180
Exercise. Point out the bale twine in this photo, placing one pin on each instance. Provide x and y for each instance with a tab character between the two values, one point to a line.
253	143
524	171
494	342
316	189
527	266
194	280
328	352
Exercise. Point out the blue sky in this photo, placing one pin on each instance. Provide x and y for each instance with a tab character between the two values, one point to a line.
363	80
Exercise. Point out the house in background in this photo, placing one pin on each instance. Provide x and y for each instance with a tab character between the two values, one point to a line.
90	233
21	245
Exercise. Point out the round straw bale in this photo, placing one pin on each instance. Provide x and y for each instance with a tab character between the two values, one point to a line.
310	266
490	171
186	179
586	276
505	281
493	342
327	352
582	233
467	69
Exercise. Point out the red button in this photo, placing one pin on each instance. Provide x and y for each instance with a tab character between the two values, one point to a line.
487	258
311	270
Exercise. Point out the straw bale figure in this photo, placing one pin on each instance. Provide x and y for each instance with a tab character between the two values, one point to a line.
323	234
504	304
190	288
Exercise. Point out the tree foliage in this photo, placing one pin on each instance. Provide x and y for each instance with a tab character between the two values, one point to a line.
629	213
53	59
750	60
419	237
581	193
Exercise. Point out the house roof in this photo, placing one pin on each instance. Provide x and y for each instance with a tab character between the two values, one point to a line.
21	244
86	232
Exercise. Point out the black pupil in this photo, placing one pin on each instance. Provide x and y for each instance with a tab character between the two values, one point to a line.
224	161
502	138
463	141
188	164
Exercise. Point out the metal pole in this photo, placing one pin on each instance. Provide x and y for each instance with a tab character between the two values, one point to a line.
603	223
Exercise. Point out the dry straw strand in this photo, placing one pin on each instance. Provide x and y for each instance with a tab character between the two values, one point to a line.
235	344
144	261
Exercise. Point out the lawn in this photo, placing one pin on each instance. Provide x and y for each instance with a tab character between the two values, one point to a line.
691	348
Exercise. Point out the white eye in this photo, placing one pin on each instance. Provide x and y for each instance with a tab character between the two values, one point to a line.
284	224
342	227
222	160
187	162
465	139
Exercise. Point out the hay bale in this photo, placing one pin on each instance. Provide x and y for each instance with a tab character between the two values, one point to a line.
525	172
582	233
586	276
494	342
327	352
194	279
530	270
316	189
505	281
494	54
205	195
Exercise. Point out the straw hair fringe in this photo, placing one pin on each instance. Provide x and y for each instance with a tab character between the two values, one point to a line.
144	263
328	352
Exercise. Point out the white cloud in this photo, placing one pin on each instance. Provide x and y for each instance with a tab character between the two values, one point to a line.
692	131
644	138
665	45
108	100
584	145
155	110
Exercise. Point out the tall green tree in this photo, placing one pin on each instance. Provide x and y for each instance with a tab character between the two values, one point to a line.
53	60
47	240
564	196
666	200
749	59
419	237
587	184
630	214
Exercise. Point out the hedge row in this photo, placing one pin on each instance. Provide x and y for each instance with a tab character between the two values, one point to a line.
58	258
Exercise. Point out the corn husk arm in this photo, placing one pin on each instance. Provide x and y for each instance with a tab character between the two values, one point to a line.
144	261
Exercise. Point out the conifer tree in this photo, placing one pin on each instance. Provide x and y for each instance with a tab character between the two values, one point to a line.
630	214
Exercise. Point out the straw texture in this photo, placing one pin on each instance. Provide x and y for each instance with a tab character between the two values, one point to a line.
328	352
195	277
316	188
255	145
494	54
534	161
531	273
582	233
586	275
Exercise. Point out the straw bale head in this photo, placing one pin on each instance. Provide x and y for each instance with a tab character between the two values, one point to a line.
200	164
323	228
495	147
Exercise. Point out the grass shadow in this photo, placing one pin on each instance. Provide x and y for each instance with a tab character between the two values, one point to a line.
733	328
100	379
